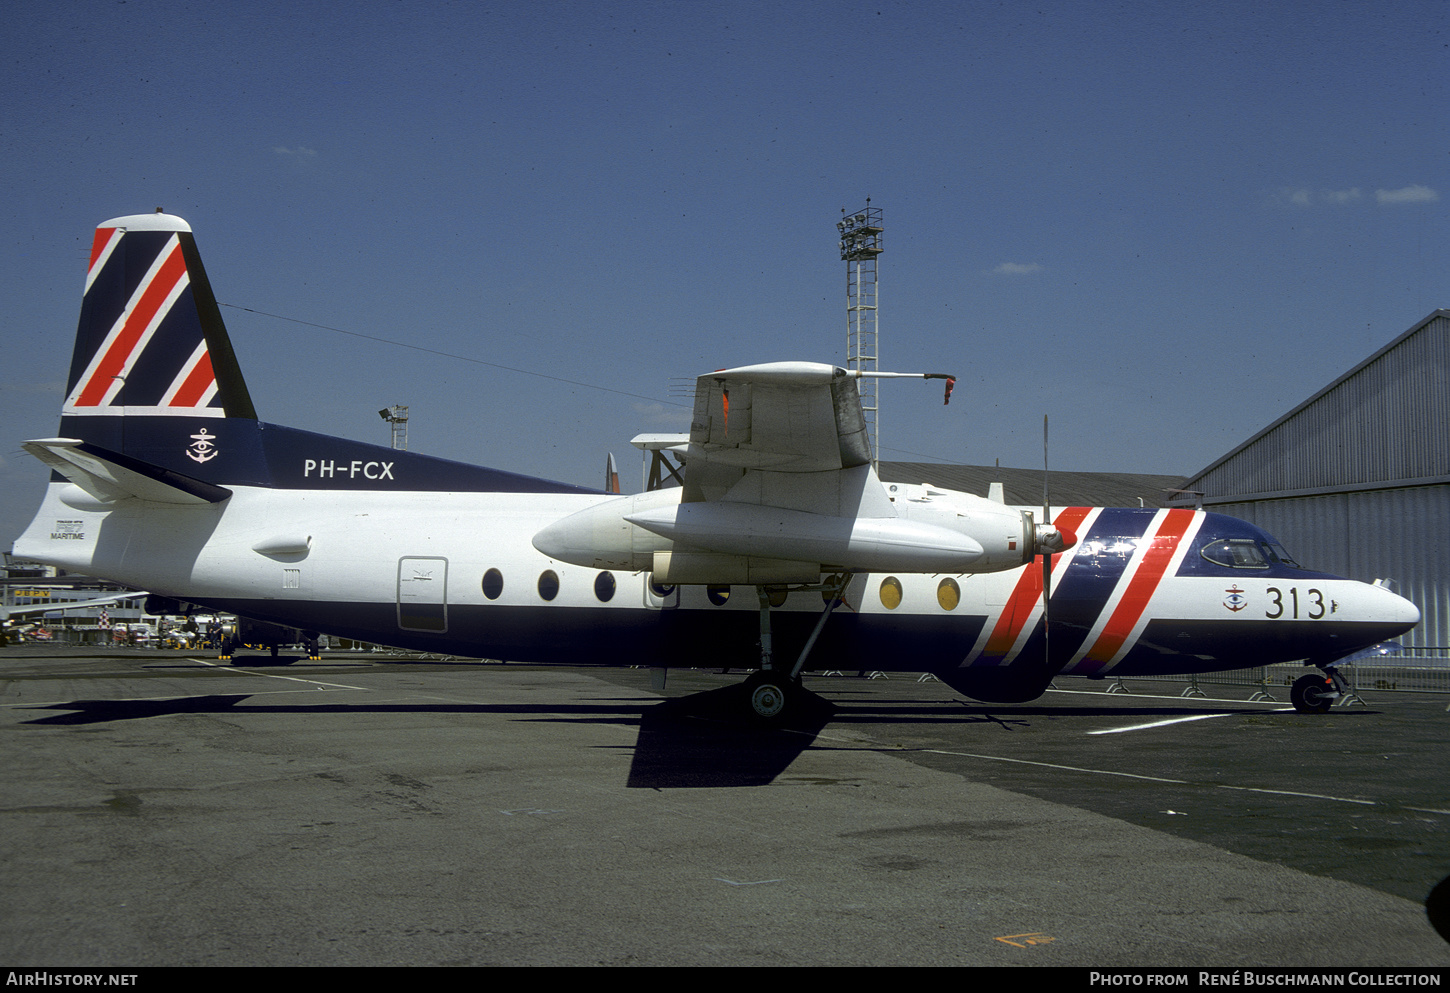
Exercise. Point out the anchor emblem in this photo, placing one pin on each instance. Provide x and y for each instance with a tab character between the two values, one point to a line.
202	449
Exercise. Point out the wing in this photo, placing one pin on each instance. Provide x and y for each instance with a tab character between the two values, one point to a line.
782	434
777	471
777	487
780	416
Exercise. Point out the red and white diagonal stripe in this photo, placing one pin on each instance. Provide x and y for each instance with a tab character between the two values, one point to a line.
127	339
1122	619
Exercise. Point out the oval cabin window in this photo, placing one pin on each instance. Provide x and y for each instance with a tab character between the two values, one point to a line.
493	584
604	586
891	593
948	594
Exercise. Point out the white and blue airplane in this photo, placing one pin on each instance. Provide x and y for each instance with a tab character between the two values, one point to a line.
776	548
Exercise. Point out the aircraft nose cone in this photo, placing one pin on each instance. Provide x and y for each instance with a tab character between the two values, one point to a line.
1406	613
1396	609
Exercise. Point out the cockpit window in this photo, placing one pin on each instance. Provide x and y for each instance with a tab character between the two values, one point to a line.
1237	553
1277	554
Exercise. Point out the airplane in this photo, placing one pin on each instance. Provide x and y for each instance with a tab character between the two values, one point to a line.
61	606
12	621
769	543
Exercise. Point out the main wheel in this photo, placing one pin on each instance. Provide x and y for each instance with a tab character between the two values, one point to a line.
1312	694
769	693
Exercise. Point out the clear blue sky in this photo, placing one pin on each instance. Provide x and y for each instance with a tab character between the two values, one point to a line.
1163	224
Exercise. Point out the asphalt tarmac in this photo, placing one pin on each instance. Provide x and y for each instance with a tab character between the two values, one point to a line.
164	809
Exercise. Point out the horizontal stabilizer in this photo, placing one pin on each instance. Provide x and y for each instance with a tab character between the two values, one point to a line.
110	476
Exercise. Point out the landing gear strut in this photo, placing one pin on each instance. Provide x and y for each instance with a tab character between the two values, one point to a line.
771	689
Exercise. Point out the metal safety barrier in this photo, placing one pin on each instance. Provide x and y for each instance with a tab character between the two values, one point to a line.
1417	670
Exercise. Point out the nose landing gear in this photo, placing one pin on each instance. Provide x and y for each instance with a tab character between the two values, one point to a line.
1316	692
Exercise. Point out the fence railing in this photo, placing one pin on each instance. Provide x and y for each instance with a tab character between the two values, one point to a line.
1420	670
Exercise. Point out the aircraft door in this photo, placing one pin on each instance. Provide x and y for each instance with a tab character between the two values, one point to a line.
423	593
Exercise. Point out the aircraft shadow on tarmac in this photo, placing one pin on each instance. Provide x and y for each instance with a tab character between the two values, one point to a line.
702	739
1437	908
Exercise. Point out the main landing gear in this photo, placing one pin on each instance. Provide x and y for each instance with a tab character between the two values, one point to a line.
769	694
1316	692
772	689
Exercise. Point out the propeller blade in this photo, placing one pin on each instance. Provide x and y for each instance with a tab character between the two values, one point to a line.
1046	561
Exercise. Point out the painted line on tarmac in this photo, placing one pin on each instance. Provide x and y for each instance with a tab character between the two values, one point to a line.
1159	724
1055	765
1154	779
275	675
1312	796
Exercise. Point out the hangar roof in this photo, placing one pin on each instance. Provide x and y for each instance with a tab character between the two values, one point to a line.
1383	423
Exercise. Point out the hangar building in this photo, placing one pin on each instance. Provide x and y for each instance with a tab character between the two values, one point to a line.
1356	480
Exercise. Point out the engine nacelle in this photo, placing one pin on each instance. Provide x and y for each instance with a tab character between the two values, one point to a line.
601	537
650	531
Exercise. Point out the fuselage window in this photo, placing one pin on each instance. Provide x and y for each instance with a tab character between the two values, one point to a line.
549	584
604	586
891	593
776	595
948	594
718	594
492	584
660	589
1236	553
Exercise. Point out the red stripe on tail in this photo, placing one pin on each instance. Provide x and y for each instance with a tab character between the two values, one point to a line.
139	319
198	381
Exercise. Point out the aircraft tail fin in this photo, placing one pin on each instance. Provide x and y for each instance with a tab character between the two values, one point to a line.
151	341
156	407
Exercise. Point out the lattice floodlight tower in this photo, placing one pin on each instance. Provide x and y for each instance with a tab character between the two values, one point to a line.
860	236
397	417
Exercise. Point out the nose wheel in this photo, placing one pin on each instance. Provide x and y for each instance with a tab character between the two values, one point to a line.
1314	693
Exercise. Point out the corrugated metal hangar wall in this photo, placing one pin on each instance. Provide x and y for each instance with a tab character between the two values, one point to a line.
1356	480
